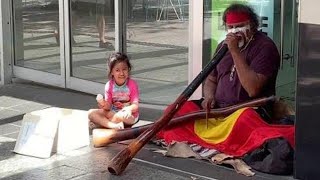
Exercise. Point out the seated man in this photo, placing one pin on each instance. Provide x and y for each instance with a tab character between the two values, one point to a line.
250	67
247	71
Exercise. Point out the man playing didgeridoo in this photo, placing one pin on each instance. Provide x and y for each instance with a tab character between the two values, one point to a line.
248	71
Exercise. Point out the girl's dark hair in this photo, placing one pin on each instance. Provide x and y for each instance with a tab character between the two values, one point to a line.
116	58
237	7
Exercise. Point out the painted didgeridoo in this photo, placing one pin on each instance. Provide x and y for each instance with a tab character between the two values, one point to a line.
118	164
104	137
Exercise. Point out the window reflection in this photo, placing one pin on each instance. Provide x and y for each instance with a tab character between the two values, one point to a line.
34	39
157	42
92	38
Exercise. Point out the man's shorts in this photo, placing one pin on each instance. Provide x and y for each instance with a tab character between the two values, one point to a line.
105	7
95	7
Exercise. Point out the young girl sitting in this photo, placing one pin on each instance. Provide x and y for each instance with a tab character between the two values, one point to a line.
119	108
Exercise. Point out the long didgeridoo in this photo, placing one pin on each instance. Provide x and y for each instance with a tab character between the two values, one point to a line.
118	164
104	137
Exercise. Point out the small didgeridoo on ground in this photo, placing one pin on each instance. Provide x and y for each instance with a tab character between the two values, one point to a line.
103	137
118	164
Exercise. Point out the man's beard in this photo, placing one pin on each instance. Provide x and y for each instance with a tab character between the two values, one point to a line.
243	40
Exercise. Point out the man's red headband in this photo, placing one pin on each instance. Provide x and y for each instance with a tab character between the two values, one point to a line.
236	17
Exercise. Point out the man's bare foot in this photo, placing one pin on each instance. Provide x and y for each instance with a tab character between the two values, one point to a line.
57	37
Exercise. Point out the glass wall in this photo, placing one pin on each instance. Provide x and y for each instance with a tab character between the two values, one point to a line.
287	44
36	35
92	38
157	42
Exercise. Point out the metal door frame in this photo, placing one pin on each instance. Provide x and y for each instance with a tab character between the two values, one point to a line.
6	51
82	84
36	75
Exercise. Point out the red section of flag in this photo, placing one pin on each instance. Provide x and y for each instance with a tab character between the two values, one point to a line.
248	133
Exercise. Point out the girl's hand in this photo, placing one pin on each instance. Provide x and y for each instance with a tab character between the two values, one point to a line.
118	105
104	105
125	113
101	102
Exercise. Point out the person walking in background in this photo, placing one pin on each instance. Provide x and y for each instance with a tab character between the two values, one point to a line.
120	106
103	9
74	18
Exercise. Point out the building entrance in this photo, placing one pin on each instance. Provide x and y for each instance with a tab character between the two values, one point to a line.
66	43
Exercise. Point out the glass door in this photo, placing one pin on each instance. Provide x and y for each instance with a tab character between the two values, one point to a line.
286	22
64	43
278	19
38	55
157	40
90	37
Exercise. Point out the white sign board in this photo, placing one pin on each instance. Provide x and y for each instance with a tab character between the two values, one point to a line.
52	130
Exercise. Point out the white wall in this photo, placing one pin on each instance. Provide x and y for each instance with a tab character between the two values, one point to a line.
309	11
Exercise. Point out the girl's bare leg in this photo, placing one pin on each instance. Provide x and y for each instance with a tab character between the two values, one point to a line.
102	118
129	121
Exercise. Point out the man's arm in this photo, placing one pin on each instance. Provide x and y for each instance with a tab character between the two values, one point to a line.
251	81
209	89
